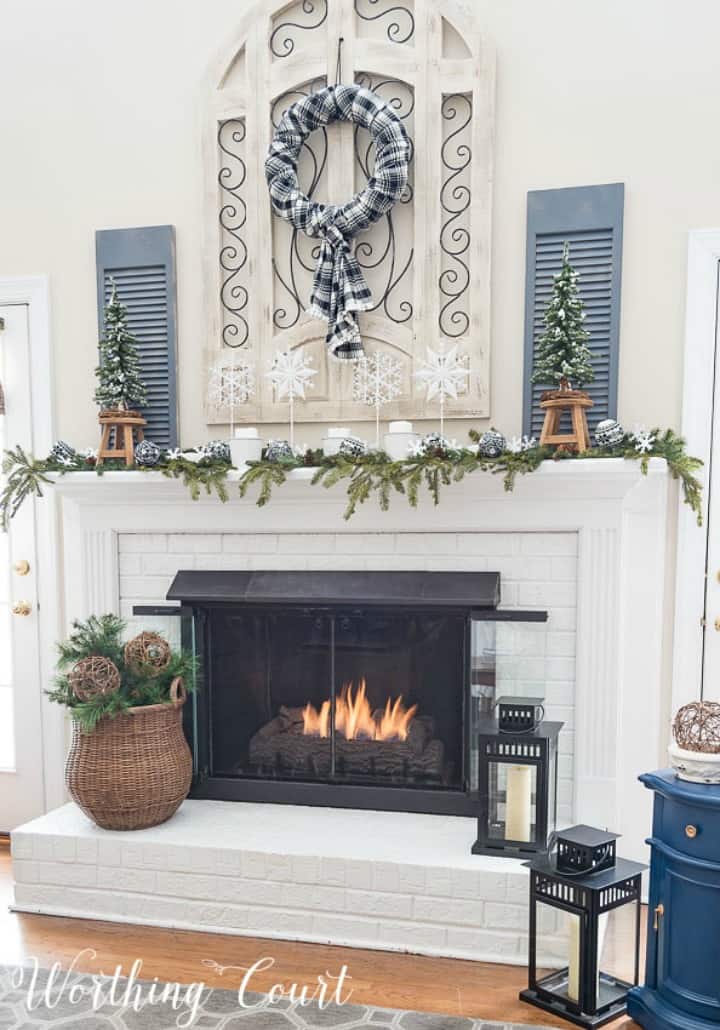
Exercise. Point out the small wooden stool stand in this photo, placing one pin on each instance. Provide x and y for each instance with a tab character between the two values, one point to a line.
554	403
127	427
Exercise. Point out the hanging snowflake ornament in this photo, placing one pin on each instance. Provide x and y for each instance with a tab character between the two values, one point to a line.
291	374
644	440
444	374
377	380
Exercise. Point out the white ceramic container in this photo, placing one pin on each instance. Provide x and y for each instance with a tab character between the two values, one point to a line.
245	446
399	440
695	766
335	436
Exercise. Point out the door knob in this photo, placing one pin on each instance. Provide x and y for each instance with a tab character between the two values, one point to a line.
21	608
22	567
659	913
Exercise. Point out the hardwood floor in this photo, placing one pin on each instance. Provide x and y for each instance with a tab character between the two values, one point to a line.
478	990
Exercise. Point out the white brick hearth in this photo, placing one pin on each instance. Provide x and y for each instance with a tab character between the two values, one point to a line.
374	880
586	540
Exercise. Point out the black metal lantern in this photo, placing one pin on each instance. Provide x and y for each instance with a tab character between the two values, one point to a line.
520	714
517	795
570	921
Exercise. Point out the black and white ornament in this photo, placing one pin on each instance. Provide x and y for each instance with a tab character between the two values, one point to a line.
147	454
63	453
217	450
491	444
352	447
433	443
609	433
279	450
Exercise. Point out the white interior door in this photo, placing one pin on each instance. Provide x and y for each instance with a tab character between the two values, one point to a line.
22	794
711	621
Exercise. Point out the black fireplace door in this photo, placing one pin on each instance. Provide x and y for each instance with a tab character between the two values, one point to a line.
366	697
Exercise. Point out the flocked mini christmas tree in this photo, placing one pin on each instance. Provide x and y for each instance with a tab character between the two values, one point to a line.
119	384
562	355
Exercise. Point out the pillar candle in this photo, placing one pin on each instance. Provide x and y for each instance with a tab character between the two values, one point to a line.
518	803
573	989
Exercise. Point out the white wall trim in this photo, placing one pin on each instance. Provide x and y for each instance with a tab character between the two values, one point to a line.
698	388
34	291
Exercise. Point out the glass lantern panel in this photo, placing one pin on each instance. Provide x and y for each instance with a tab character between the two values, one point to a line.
512	802
552	788
616	954
506	659
558	936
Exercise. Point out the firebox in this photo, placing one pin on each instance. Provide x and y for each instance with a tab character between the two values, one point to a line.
349	689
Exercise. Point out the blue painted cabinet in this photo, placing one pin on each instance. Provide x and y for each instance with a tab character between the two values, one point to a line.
682	974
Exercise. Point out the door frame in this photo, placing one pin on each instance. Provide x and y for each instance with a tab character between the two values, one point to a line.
34	292
702	352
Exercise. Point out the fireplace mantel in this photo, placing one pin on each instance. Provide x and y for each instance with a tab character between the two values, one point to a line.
618	513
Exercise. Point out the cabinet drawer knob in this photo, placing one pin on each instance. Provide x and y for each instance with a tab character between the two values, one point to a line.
691	831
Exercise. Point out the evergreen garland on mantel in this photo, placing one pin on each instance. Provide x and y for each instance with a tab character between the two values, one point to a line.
371	474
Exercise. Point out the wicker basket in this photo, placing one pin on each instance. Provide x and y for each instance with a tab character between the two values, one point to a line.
132	771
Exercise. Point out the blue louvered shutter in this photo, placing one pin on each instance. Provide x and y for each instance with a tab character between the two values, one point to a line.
142	263
590	218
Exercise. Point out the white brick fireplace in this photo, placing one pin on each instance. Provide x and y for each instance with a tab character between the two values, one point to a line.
585	540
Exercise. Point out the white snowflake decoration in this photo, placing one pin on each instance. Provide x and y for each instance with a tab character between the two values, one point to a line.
291	374
230	384
518	444
644	440
173	454
444	374
377	380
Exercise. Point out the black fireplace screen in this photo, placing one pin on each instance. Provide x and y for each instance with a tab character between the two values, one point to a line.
367	697
358	689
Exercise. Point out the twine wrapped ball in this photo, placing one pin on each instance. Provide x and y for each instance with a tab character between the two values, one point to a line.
94	677
147	653
697	727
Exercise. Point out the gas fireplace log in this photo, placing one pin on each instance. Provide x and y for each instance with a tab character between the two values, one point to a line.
281	746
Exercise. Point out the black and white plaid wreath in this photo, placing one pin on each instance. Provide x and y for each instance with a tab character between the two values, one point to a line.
339	287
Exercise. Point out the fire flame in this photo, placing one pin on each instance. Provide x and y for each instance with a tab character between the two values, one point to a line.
354	719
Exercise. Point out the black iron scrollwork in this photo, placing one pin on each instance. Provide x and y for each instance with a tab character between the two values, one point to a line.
455	199
303	252
402	27
371	253
232	216
283	47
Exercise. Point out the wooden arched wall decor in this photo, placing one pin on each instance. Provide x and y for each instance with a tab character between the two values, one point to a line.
427	262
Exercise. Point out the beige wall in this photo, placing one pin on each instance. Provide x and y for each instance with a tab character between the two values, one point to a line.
100	109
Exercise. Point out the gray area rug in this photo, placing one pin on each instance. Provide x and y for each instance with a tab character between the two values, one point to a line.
69	1005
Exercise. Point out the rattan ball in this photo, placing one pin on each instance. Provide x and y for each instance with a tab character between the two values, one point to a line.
93	677
147	653
697	727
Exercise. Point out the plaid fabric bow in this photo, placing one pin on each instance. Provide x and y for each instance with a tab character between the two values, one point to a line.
339	289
